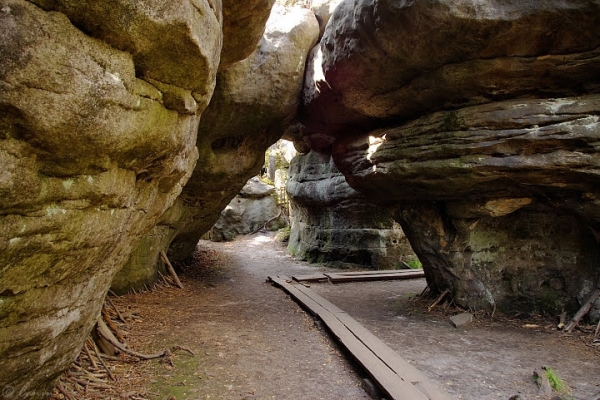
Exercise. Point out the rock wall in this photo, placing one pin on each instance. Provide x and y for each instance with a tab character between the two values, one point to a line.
254	101
477	125
333	223
97	137
263	93
253	208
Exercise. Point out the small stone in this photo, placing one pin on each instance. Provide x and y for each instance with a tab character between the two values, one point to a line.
460	320
541	379
369	387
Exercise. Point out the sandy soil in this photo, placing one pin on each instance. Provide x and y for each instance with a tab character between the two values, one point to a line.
252	342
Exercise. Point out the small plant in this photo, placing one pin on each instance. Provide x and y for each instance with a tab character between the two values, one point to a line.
548	381
283	234
557	384
415	264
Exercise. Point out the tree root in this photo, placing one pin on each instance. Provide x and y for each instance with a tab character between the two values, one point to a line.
91	376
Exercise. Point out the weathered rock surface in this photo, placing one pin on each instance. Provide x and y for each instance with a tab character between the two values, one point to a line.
323	10
243	26
477	125
254	101
331	222
254	207
461	320
92	156
389	59
498	200
174	43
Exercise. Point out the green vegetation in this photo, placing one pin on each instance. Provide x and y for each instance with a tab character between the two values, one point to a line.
557	384
550	379
412	264
292	250
283	234
415	264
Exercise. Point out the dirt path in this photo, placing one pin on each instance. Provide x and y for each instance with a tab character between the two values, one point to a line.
252	342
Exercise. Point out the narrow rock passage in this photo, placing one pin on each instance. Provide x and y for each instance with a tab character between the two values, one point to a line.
251	341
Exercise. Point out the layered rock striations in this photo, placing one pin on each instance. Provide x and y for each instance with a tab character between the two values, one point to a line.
499	200
477	125
254	101
333	223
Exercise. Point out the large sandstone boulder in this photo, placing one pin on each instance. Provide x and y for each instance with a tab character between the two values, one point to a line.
97	136
253	103
333	223
253	208
477	124
500	201
244	24
390	59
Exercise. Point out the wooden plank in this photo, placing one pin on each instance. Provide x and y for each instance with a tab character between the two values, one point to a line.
310	278
395	376
392	359
389	381
339	278
393	385
285	283
378	272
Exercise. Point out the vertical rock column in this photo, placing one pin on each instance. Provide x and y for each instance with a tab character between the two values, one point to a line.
331	222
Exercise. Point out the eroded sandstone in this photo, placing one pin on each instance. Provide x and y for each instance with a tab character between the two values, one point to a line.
93	153
253	103
387	59
499	200
477	125
333	223
254	208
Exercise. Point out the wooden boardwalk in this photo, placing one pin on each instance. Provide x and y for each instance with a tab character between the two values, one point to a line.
394	375
361	276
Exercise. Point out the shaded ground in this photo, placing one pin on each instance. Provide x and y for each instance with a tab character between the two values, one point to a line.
252	342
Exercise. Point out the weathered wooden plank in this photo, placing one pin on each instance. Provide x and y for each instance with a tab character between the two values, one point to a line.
339	278
310	278
378	272
389	381
393	385
285	283
392	359
394	375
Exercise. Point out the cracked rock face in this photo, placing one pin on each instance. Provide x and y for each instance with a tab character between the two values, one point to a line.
477	125
98	129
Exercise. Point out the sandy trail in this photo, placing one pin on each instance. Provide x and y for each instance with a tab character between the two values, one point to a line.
252	342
